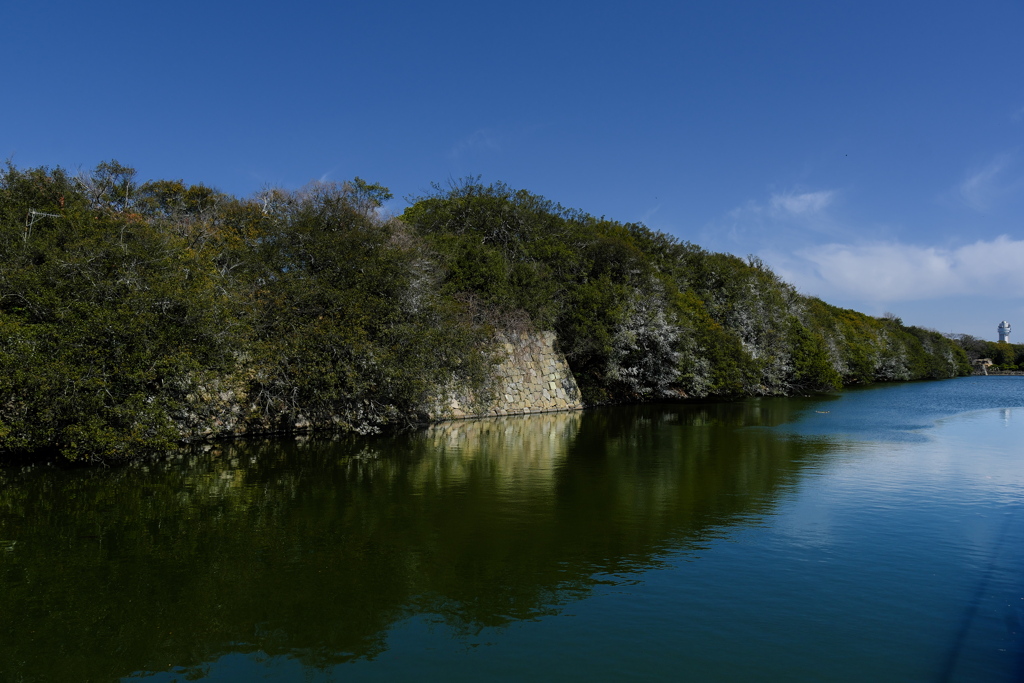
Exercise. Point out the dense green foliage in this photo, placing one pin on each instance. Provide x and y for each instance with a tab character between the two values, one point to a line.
134	315
1004	356
641	315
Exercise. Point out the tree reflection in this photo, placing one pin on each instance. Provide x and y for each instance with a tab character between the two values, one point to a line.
315	549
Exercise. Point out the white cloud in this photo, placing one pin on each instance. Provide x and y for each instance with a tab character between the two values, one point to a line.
786	217
648	216
980	189
887	271
984	188
326	177
483	140
802	204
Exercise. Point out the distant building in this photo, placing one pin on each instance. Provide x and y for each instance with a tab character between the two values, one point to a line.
1004	331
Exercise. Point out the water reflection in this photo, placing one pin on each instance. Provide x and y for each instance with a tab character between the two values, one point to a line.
315	549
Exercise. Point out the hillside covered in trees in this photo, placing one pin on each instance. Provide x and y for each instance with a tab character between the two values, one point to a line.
1005	357
137	315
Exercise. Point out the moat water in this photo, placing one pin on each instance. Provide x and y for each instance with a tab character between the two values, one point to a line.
876	534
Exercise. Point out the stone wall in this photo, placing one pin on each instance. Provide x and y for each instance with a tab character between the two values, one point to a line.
531	377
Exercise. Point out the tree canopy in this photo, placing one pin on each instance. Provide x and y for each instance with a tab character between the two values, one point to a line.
134	315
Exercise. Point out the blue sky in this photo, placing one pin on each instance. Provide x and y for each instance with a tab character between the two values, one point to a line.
871	152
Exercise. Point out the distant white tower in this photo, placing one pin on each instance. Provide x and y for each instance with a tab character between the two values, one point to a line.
1004	331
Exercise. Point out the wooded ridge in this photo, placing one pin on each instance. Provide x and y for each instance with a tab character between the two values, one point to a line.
131	312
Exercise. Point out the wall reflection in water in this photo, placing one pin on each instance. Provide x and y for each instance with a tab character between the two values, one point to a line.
314	549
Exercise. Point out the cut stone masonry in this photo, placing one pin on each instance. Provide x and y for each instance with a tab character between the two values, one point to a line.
531	377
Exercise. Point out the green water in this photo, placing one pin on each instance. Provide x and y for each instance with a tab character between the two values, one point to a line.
874	535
